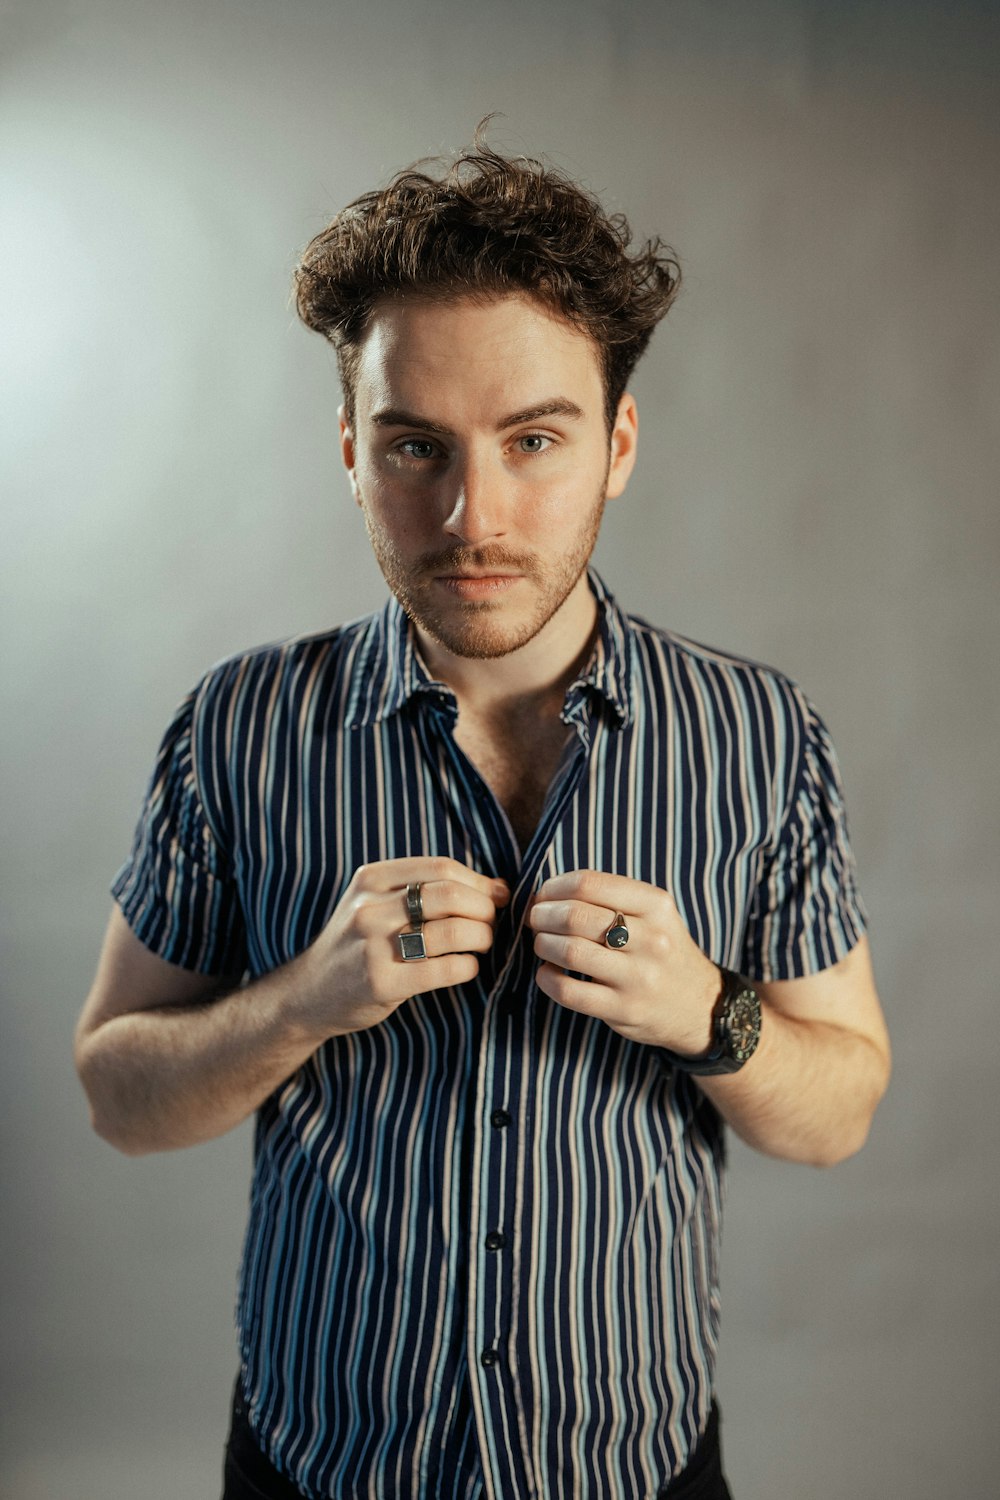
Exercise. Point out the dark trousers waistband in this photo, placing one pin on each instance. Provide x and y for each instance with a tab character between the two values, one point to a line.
703	1478
250	1475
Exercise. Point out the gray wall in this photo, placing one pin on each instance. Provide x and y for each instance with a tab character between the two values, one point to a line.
816	489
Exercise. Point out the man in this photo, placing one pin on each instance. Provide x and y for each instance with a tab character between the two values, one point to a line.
493	907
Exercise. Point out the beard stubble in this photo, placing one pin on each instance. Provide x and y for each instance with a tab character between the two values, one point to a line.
481	629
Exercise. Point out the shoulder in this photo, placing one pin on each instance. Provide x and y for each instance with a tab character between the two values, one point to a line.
300	668
260	707
731	715
692	666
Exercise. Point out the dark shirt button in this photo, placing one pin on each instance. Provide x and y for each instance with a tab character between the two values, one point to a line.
495	1240
500	1119
489	1358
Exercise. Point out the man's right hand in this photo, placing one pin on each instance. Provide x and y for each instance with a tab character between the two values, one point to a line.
354	973
167	1058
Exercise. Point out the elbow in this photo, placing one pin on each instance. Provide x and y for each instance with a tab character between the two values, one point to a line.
108	1118
848	1143
112	1133
856	1126
111	1130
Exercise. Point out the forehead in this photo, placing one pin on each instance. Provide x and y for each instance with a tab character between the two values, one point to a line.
470	352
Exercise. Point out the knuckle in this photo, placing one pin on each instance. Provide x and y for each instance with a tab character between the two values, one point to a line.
556	984
364	916
576	954
659	944
484	937
449	935
459	968
449	892
577	919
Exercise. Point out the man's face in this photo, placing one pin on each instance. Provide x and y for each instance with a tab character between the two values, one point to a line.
481	460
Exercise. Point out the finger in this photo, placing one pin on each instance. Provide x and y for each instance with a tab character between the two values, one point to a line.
456	935
572	918
397	874
416	978
577	994
584	957
450	898
598	888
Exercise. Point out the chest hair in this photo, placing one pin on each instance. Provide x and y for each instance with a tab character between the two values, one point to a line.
517	759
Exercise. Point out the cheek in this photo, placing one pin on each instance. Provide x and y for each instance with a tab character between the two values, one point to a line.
397	518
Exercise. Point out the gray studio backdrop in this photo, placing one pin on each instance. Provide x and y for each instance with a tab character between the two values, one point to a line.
816	489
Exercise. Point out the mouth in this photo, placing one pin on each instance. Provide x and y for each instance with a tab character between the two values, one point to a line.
477	585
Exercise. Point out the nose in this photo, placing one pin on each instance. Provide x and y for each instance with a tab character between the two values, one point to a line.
478	503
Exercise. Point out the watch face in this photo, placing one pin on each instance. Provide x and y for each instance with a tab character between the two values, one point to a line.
743	1025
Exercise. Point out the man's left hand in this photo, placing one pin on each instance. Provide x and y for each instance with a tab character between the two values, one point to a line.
659	989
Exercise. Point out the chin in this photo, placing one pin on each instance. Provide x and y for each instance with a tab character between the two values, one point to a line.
477	640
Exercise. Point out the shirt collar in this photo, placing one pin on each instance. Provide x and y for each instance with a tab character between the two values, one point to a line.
389	670
609	672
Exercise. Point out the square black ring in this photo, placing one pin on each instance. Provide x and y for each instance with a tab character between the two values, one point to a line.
412	946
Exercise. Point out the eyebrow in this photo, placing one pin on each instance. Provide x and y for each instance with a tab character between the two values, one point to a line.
559	406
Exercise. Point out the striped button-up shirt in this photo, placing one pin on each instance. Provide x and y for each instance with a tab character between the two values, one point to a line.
482	1256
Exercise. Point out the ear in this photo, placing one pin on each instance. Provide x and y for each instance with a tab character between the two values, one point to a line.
347	448
624	437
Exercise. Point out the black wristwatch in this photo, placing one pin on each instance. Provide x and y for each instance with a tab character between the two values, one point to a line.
736	1028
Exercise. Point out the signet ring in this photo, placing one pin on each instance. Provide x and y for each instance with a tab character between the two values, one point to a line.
617	934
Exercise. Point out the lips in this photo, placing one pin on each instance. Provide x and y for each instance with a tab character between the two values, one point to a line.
476	577
477	585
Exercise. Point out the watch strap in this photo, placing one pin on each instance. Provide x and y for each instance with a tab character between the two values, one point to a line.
736	1027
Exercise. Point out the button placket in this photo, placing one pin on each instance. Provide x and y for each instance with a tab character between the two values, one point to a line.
497	1323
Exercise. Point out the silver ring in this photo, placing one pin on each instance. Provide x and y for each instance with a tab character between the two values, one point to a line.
412	945
414	904
617	934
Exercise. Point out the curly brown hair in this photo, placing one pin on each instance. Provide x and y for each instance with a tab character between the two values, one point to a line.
490	225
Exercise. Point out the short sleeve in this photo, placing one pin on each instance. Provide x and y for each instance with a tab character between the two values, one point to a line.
176	888
807	913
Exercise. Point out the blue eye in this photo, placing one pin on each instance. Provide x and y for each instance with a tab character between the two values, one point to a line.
537	441
419	448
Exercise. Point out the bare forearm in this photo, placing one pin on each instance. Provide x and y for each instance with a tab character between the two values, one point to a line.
808	1094
168	1060
809	1091
177	1075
